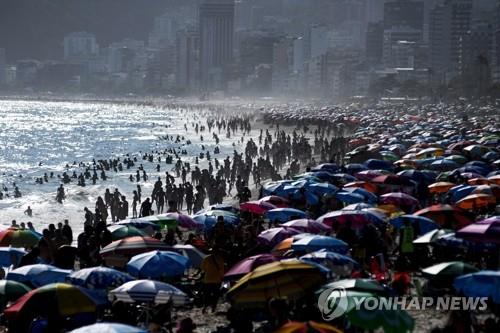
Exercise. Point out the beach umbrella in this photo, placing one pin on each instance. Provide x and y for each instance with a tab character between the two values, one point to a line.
182	220
368	175
313	243
98	278
148	227
432	236
478	181
359	285
208	219
12	290
19	237
307	327
125	230
284	214
358	218
367	195
10	256
343	178
132	245
292	279
108	328
274	188
417	176
444	165
149	291
194	255
391	321
440	187
422	224
487	230
273	236
461	191
52	300
354	168
480	284
275	200
400	199
358	206
475	150
393	180
223	206
307	225
322	188
475	201
160	220
430	152
362	184
247	265
446	216
331	167
157	265
348	197
494	179
374	164
459	159
339	264
256	207
38	275
444	274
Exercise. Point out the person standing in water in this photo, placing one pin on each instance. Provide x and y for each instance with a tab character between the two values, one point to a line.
28	212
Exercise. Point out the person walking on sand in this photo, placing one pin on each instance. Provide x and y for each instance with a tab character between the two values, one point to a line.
212	267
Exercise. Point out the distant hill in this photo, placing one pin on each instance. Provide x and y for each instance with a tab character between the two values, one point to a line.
36	28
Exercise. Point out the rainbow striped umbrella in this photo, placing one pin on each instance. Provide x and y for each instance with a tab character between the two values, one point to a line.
12	290
133	246
52	300
19	237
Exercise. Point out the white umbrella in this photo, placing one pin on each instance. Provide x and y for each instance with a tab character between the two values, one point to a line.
194	255
149	291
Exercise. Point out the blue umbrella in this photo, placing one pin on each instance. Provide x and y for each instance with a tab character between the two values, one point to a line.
208	221
424	224
354	168
225	207
322	188
480	284
98	278
331	167
461	191
479	165
343	178
10	256
349	198
38	275
374	164
108	328
418	176
158	264
329	258
274	187
444	165
368	196
285	214
473	169
317	242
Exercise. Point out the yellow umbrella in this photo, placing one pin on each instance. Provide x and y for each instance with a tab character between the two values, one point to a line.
288	278
308	327
430	152
475	201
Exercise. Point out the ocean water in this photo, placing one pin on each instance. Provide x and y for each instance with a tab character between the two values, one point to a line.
38	137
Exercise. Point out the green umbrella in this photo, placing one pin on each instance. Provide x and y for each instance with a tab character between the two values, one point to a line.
389	156
363	285
391	321
121	231
457	159
12	290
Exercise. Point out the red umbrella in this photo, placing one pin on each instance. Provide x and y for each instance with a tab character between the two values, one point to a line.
256	207
131	246
275	200
447	216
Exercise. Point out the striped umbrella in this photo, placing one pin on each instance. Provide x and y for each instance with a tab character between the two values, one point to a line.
158	264
132	246
273	236
149	291
19	237
52	300
357	218
256	207
10	256
12	290
247	265
440	187
475	201
307	225
38	275
307	327
182	220
292	279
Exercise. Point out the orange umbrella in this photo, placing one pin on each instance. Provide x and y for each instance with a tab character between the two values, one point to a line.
478	181
475	201
495	179
362	184
440	187
492	189
308	327
283	246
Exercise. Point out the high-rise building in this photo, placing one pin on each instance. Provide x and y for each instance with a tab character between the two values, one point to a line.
396	39
80	46
405	13
187	68
450	22
374	43
216	24
3	66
